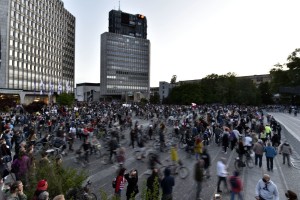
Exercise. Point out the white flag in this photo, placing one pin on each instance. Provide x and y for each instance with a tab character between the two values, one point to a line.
68	88
41	87
59	88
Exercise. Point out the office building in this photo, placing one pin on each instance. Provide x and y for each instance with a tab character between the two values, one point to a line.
125	57
37	48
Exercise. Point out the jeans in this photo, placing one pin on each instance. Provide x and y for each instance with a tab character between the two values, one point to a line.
269	163
287	156
258	158
198	189
240	197
219	182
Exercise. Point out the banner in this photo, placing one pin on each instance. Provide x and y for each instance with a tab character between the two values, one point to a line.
41	87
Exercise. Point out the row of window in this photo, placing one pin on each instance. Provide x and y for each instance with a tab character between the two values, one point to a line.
122	87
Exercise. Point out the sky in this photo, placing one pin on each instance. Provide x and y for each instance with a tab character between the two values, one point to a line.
194	38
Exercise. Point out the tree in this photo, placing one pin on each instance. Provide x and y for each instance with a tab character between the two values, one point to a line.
65	99
154	99
173	79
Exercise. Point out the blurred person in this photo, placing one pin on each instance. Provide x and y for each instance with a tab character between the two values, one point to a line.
291	195
167	185
236	186
206	158
198	148
120	183
132	187
198	175
222	174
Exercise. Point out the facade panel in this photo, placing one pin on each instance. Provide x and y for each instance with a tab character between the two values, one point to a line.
37	45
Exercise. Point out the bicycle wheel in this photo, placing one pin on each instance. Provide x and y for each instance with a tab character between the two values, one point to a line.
92	196
238	165
250	162
156	145
183	172
182	144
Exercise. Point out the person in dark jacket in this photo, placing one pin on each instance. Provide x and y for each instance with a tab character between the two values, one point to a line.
198	174
270	155
167	184
132	187
206	157
153	183
286	151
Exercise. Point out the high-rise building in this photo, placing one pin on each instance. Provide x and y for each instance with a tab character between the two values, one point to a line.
37	49
125	57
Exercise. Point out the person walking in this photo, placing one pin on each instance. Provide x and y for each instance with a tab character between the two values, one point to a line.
236	186
167	184
132	187
198	175
286	151
270	155
225	140
258	149
120	183
266	189
206	157
221	173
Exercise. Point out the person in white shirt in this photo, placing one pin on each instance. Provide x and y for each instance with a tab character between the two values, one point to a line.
222	173
248	142
266	189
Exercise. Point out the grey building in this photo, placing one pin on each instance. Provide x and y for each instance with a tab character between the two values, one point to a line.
125	57
37	49
87	91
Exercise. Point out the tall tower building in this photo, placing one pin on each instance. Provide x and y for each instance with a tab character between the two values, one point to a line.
37	48
125	57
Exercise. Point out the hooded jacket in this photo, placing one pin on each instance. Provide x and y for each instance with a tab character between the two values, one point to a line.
285	148
168	182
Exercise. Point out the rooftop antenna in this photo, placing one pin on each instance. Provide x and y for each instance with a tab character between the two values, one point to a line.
119	5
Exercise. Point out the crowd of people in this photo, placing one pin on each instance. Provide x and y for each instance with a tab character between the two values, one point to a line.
231	127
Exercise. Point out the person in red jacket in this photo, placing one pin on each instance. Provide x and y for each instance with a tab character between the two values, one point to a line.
120	183
236	186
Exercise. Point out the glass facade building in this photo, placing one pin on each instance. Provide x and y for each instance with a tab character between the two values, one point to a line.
125	56
37	45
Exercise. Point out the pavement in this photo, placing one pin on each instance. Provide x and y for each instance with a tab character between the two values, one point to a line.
283	176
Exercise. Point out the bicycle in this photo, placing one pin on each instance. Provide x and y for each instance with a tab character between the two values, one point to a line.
81	193
176	169
239	164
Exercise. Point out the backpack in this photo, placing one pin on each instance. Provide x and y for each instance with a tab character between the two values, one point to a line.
114	182
233	182
232	136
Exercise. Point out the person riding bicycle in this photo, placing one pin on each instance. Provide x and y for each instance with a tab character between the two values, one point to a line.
153	159
113	145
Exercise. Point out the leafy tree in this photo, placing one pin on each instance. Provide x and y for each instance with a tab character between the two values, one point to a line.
155	98
173	79
265	93
59	179
65	99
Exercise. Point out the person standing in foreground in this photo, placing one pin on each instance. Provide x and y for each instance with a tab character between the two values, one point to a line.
199	170
167	184
266	189
236	186
221	173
